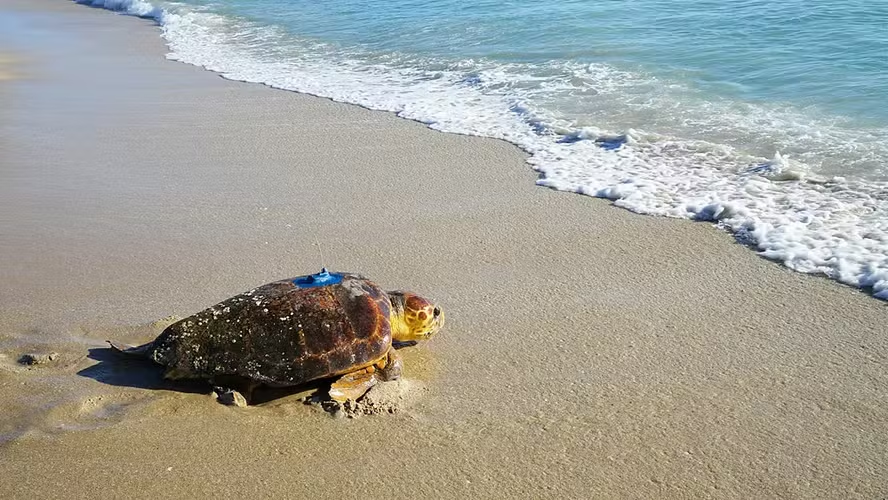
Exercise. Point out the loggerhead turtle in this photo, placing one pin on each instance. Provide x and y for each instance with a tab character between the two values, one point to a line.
294	331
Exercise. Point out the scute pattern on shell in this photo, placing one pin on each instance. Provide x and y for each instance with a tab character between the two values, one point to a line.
280	334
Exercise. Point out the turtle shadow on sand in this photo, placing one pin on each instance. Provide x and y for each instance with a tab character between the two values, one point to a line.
114	369
125	371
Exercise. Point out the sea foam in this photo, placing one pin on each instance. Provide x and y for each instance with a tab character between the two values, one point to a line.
139	8
807	219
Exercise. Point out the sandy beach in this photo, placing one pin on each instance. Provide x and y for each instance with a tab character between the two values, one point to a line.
586	353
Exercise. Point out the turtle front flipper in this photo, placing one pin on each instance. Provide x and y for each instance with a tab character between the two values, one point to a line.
354	385
391	368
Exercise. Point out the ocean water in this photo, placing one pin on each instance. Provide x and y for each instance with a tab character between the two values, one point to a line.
764	117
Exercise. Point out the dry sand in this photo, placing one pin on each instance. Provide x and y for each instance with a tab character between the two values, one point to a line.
589	352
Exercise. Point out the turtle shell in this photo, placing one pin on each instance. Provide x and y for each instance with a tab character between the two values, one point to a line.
283	333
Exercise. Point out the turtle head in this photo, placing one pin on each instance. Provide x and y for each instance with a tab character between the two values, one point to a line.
414	317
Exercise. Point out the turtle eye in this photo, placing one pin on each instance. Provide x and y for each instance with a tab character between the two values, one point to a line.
436	312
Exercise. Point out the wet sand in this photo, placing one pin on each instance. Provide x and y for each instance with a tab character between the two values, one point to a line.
588	353
7	63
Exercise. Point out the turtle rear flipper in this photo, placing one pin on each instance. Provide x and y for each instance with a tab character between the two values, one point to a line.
141	351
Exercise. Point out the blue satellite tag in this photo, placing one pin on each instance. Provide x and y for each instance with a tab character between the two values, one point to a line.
322	278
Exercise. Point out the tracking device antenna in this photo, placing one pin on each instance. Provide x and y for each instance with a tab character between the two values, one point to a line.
320	253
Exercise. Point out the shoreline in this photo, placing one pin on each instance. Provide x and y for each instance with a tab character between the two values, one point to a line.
768	230
584	354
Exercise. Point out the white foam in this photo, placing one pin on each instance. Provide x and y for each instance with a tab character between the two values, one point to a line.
792	208
138	8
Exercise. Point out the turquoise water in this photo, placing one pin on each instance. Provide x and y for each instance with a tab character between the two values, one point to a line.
763	117
809	53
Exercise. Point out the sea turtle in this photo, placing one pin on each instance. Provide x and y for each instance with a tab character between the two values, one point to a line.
296	330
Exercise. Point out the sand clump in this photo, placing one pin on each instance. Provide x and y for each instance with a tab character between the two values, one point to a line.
32	359
384	398
230	397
